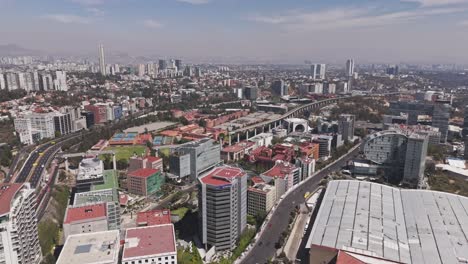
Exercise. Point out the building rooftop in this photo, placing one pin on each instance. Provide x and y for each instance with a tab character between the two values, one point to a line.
105	195
90	168
280	170
91	248
143	173
85	212
222	176
149	241
241	146
262	188
257	180
153	217
7	192
408	226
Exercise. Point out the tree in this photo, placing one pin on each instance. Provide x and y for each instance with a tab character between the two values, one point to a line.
122	164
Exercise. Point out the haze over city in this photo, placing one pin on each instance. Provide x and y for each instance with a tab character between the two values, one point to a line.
393	31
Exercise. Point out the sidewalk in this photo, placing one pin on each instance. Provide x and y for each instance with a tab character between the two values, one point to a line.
295	238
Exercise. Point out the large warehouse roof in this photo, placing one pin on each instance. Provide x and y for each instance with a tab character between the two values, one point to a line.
409	226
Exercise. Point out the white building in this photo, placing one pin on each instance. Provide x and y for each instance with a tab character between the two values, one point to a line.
19	241
60	82
91	248
35	126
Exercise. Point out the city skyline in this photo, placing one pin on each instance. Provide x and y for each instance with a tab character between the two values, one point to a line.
419	31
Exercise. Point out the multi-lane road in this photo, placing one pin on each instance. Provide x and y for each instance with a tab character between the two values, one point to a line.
265	249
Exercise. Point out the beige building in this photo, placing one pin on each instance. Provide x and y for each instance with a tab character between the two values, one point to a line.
260	198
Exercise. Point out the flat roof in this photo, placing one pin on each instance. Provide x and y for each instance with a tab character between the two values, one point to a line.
105	195
143	173
7	192
149	241
85	212
154	217
110	181
222	176
150	127
280	170
408	226
91	248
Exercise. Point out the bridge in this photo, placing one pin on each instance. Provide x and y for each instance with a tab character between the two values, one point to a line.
297	112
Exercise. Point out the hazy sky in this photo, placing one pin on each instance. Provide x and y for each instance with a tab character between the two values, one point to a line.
290	30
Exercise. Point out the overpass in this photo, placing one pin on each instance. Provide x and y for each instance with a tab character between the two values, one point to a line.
297	112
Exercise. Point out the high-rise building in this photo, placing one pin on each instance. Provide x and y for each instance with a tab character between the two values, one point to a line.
141	70
415	160
162	65
318	71
349	71
195	158
222	206
19	240
393	70
60	82
179	65
279	88
102	62
251	92
346	126
440	119
260	198
465	122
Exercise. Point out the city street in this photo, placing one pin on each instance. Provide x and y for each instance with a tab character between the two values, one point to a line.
265	249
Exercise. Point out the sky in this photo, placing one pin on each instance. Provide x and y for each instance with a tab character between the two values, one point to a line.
373	31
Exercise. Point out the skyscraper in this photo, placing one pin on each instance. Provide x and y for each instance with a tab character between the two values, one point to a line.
349	68
318	71
346	126
415	160
179	65
102	62
278	87
440	119
19	240
162	65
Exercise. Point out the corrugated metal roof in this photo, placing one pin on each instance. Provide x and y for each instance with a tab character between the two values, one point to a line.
408	226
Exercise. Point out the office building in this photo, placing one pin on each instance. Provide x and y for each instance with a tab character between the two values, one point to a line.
260	198
19	240
148	162
346	126
144	182
63	123
279	88
194	158
415	160
33	127
250	93
179	65
325	145
318	71
349	69
306	165
433	134
363	222
222	207
89	117
150	244
393	70
90	172
440	119
162	65
401	156
91	248
89	218
99	112
102	61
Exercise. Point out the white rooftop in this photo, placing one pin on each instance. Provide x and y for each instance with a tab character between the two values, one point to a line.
90	168
91	248
408	226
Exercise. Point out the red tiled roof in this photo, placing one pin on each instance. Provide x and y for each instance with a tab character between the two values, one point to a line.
222	176
154	217
148	241
123	199
74	214
143	173
239	146
280	170
257	179
7	192
345	258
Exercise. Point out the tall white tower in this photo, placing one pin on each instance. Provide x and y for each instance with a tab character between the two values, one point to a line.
350	68
102	62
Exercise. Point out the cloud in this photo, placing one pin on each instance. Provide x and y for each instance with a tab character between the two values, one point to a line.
437	2
67	18
89	2
347	18
150	23
95	11
463	23
195	2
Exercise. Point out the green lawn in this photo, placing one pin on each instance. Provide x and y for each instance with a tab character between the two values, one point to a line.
125	152
110	181
180	212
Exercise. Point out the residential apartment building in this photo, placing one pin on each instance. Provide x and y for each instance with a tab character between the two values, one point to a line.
260	198
19	240
346	126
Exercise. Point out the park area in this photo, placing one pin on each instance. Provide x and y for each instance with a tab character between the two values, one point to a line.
125	152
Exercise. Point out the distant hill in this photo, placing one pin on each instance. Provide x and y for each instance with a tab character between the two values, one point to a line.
16	50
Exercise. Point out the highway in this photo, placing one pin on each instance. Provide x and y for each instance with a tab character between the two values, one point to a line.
265	249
